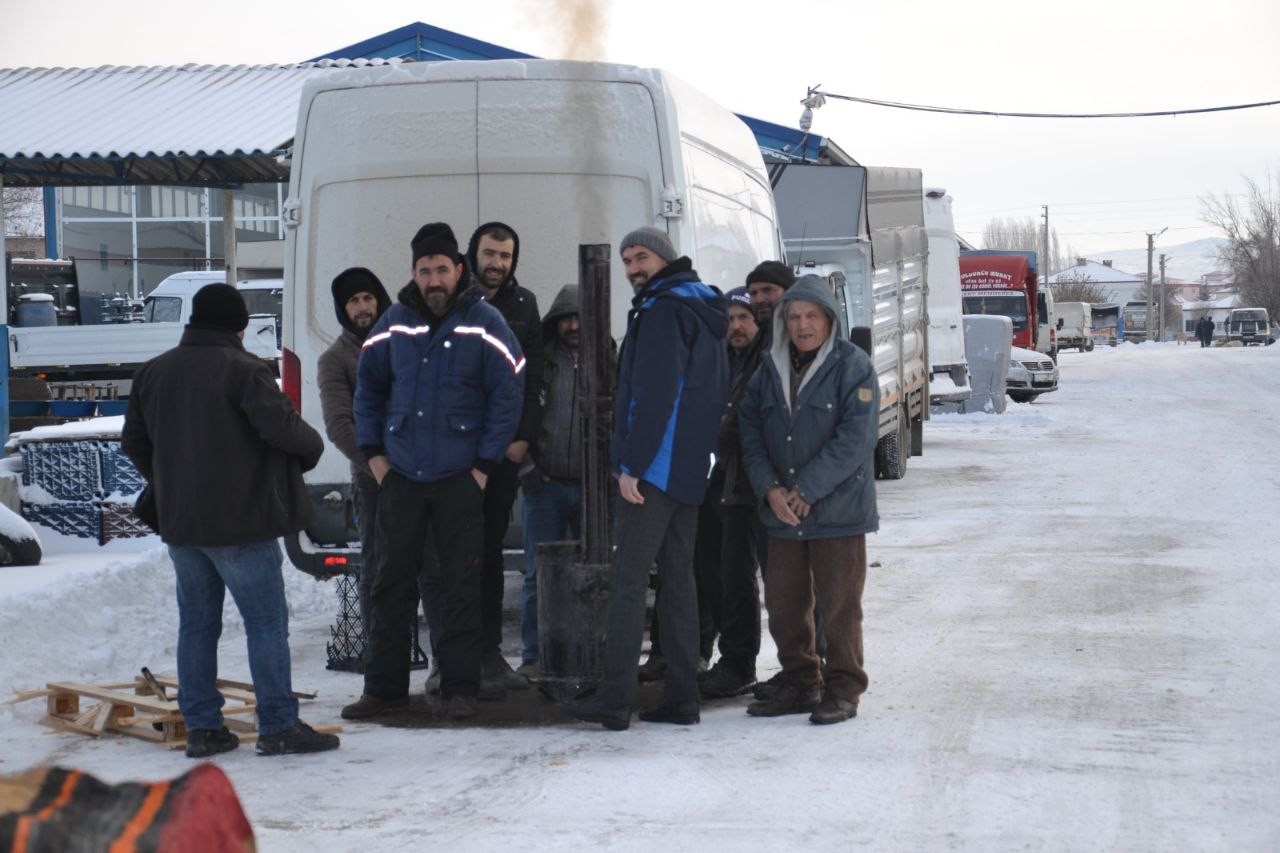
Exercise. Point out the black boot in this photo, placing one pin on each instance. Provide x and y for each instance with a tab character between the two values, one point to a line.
202	743
789	698
299	739
682	714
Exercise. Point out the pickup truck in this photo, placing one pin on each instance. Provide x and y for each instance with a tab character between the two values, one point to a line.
109	354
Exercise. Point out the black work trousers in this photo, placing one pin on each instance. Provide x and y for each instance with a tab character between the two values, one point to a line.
453	511
662	530
366	505
499	496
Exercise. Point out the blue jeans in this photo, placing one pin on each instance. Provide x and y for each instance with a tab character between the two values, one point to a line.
252	573
552	513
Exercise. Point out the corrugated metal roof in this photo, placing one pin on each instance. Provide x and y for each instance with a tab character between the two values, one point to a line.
194	124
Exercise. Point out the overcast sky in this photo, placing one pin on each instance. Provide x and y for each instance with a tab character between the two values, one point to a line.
1106	181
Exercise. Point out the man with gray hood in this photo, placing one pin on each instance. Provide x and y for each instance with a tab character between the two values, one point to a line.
808	425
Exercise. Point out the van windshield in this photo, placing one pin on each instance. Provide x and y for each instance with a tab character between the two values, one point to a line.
1013	307
263	301
162	309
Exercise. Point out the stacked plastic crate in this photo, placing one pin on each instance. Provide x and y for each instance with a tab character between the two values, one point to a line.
81	488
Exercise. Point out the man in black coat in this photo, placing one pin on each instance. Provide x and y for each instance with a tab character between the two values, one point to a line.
223	453
492	255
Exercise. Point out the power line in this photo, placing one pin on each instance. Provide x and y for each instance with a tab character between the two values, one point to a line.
1011	114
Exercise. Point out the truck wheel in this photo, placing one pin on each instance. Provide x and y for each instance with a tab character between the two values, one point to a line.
1088	346
892	451
19	551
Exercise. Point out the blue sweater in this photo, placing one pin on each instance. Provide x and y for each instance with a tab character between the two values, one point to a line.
672	382
439	396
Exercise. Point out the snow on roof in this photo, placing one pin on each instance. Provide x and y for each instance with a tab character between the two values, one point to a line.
1096	272
200	124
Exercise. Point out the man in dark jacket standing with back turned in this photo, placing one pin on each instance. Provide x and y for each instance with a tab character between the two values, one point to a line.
493	253
673	378
223	452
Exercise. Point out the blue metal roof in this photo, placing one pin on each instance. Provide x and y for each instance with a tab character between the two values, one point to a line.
424	43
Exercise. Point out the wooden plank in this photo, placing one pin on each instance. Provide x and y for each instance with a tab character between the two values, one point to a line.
26	695
223	683
93	691
103	715
61	702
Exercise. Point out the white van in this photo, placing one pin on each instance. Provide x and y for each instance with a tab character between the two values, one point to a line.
1075	325
567	153
170	302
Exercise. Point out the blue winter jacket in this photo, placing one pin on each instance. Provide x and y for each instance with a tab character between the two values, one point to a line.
823	442
673	377
439	396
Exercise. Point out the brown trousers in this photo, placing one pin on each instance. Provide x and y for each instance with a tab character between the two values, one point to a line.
837	570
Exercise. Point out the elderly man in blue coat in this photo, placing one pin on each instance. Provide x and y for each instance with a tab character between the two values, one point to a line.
808	436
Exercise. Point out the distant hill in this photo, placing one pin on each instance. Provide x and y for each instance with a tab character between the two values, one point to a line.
1187	261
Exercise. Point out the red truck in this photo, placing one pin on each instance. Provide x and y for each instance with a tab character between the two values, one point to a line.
1004	284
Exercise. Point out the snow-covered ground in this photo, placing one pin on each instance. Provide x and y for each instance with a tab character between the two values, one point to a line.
1070	631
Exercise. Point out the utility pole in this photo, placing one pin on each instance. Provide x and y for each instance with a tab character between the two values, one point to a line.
1151	285
1044	258
1164	297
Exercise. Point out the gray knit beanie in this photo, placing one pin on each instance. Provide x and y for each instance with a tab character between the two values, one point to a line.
652	239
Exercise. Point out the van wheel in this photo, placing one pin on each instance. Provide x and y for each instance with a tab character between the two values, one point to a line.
19	551
892	451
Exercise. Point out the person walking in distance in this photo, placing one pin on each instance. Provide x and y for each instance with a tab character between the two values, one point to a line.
438	400
672	379
223	453
493	254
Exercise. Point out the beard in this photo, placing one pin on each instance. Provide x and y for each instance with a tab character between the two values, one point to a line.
571	340
493	277
363	320
438	300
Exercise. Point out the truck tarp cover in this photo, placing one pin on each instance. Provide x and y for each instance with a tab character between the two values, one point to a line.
992	272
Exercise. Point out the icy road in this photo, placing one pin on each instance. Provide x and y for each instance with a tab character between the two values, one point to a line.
1071	631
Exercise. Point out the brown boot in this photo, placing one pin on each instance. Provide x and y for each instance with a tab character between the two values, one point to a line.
789	698
833	709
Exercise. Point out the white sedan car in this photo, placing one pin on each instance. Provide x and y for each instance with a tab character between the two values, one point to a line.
1030	374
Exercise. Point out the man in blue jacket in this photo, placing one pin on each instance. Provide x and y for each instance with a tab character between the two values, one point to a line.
672	382
438	400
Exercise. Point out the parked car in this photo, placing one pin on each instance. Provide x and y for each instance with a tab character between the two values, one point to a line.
1030	374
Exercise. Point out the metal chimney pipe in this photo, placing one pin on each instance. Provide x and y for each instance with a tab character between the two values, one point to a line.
597	410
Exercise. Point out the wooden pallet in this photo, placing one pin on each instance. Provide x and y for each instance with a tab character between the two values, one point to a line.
135	709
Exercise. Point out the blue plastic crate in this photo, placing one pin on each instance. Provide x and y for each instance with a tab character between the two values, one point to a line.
118	473
71	518
67	470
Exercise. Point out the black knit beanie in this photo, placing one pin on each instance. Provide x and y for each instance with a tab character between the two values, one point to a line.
772	272
435	238
219	306
355	280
